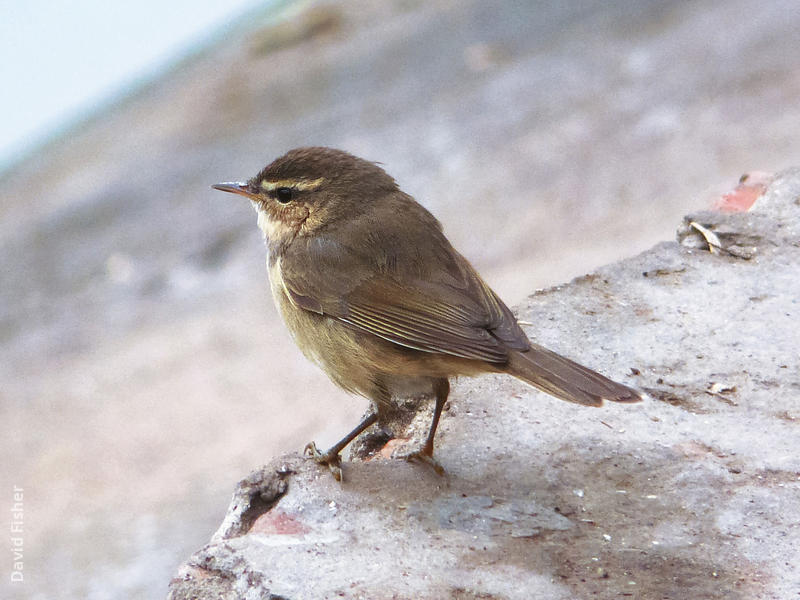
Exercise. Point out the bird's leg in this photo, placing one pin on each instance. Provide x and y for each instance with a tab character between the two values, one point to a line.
331	458
441	388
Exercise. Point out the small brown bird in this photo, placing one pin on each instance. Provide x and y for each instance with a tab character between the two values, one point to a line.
372	291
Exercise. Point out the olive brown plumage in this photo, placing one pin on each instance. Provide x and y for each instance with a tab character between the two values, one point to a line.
373	292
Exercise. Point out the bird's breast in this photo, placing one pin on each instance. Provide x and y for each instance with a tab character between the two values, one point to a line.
280	293
315	334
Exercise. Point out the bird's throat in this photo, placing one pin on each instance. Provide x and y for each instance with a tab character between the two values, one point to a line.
281	229
268	227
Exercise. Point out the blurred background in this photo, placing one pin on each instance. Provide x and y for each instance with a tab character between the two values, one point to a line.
144	370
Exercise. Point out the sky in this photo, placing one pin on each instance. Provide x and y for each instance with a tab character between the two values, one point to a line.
61	60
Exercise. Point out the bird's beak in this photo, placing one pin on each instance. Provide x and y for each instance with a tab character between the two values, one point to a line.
234	187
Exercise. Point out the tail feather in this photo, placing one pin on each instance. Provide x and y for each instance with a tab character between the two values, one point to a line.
565	379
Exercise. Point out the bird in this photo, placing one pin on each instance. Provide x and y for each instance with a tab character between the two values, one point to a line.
373	292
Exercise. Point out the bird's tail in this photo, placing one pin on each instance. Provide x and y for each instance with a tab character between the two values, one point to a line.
565	379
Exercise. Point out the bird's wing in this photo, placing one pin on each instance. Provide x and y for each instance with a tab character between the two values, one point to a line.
422	295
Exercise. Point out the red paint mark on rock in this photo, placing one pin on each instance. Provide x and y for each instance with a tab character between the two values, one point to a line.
751	187
388	449
277	522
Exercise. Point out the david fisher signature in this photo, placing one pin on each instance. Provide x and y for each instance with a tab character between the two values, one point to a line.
17	540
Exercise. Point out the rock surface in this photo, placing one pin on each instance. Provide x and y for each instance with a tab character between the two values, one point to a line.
694	493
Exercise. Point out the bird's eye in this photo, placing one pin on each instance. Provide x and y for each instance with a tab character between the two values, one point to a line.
284	194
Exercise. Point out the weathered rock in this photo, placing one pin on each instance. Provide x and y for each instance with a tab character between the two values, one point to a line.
695	493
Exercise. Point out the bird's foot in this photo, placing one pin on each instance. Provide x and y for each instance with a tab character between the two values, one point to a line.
425	457
330	459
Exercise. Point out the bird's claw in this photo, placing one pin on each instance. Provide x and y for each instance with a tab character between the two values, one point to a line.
425	458
332	461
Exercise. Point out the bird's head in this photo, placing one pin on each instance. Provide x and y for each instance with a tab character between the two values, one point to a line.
308	189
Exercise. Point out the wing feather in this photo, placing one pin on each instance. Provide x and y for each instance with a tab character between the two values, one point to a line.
414	290
417	330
